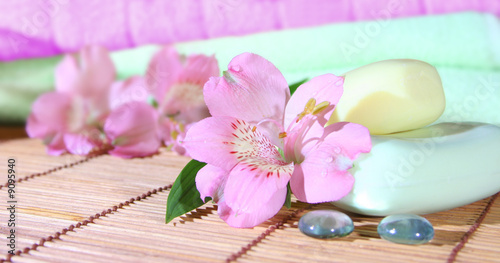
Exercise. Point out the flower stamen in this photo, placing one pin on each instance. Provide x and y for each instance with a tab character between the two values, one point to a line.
320	107
174	134
310	105
309	108
182	128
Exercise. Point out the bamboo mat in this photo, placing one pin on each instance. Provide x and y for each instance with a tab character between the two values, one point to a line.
106	209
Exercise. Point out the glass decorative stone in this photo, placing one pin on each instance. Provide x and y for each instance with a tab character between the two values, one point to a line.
406	229
326	224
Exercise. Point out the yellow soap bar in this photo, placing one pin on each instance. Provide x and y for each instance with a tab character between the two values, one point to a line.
391	96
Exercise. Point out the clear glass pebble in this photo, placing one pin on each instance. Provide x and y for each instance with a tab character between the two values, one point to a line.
406	229
326	224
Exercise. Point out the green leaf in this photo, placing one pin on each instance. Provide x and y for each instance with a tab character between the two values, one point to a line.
184	196
288	200
293	87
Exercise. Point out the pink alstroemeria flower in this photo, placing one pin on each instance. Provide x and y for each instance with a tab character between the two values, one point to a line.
71	118
176	83
133	130
133	126
259	139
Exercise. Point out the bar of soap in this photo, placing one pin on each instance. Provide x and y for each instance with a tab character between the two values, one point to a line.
391	96
428	170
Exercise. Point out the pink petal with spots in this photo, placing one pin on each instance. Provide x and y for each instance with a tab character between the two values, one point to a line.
133	130
252	89
252	218
224	141
326	87
132	89
254	181
323	174
210	182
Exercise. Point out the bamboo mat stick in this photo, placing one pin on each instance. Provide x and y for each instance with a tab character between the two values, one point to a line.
108	209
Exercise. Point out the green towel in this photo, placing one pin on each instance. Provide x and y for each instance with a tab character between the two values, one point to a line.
471	95
466	40
21	82
465	48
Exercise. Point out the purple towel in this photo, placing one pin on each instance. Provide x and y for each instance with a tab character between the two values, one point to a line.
42	28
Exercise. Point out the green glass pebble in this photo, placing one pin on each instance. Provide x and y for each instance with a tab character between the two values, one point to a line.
406	229
326	224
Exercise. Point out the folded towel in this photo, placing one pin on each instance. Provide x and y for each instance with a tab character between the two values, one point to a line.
464	47
467	40
21	82
471	95
51	27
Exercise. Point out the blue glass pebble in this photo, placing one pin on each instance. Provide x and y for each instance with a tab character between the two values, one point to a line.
326	224
406	229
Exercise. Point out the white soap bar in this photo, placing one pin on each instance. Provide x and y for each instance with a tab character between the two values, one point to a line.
391	96
432	169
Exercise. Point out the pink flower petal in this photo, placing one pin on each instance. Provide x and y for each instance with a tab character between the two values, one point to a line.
80	143
252	218
90	76
56	145
252	89
211	140
96	77
316	182
322	176
167	129
254	181
163	71
67	74
326	87
132	89
352	138
49	114
198	69
210	181
303	137
224	141
184	102
177	145
98	70
183	98
172	134
139	149
133	130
